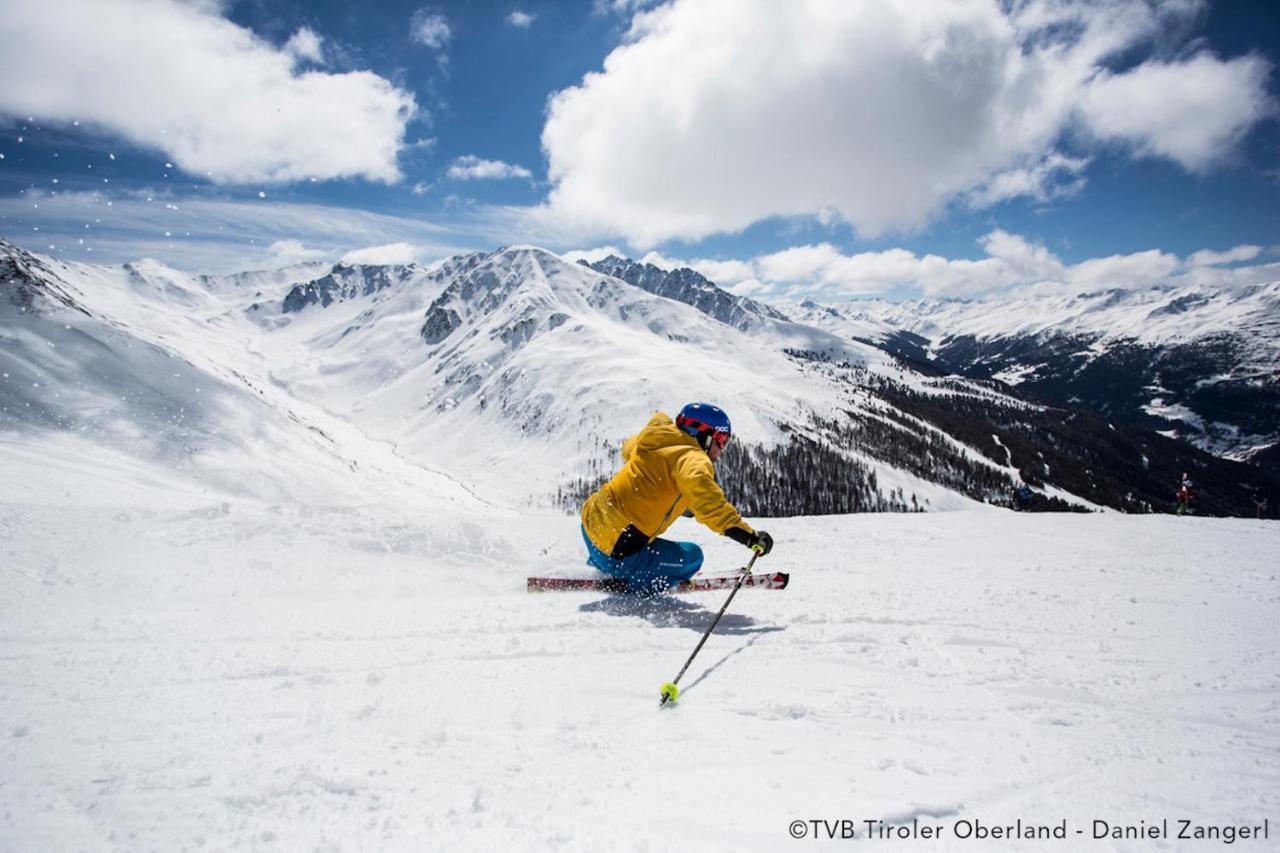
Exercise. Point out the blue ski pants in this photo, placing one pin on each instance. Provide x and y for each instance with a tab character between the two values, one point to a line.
656	566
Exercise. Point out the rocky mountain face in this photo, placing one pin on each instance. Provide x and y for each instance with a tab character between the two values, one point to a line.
29	284
691	288
1196	364
345	282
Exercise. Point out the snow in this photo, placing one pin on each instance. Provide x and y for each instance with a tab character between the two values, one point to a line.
246	675
1174	412
1155	315
1015	375
265	589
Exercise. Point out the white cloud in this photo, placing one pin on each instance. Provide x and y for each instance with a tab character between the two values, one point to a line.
521	19
472	168
1141	269
430	29
1209	258
750	287
619	7
1193	112
661	262
1235	277
1025	261
392	253
716	114
728	274
225	235
210	95
1055	176
1011	262
305	44
285	252
592	255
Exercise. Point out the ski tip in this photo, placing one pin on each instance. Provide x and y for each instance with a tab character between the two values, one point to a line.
784	578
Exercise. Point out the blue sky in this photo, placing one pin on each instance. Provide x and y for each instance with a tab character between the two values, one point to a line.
888	148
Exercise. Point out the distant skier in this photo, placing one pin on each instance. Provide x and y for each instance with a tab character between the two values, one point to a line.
1186	494
669	468
1021	496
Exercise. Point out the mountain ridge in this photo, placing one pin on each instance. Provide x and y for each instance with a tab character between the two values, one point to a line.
516	369
1201	364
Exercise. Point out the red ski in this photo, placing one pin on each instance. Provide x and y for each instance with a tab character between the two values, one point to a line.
777	580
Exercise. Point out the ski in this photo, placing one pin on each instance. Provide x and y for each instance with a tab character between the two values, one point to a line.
776	580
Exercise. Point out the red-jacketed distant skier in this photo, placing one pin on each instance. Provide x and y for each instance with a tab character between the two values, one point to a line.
1186	494
669	468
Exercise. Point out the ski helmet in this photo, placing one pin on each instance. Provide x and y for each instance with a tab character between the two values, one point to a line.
706	423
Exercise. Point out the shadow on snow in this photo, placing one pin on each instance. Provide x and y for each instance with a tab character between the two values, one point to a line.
665	611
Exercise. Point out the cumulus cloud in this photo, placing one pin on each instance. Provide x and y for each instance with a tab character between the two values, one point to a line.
285	252
392	253
1011	262
520	19
592	255
1208	258
305	44
1192	112
430	29
1140	269
717	114
1054	176
472	168
213	97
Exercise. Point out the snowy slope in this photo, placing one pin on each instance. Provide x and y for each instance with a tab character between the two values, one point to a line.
542	366
277	600
146	366
515	373
515	365
300	679
1158	315
1198	363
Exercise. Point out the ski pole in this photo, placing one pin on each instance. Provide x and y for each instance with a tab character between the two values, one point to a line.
670	691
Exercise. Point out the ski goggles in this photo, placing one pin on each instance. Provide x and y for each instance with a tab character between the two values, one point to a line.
720	437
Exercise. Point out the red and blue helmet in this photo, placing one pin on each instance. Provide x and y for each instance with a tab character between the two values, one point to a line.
706	423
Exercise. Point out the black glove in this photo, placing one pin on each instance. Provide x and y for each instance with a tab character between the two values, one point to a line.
759	539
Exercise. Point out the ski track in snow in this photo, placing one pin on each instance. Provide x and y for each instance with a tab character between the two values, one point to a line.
245	676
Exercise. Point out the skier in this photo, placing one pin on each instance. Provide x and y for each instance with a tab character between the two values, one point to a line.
669	468
1185	494
1021	496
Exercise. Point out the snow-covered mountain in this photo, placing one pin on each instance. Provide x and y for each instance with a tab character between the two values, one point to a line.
345	282
515	373
148	375
692	288
518	360
1198	363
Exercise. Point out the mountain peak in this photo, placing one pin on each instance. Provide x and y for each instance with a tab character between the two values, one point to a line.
29	284
347	281
692	288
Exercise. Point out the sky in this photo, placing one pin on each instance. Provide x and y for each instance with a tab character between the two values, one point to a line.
814	148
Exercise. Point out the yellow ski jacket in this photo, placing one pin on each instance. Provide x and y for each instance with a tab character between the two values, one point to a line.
665	473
